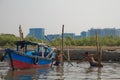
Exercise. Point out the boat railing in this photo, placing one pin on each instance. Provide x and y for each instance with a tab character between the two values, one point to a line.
48	55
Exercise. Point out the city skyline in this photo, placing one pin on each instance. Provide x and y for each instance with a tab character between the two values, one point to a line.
39	33
76	15
59	33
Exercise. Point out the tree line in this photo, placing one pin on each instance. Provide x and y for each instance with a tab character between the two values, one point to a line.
8	40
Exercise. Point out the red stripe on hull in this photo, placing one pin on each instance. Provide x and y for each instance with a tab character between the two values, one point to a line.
22	65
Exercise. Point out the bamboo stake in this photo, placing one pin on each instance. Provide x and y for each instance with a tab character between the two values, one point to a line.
98	50
97	44
42	50
62	46
68	55
100	55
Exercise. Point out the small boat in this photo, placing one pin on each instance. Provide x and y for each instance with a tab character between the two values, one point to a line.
29	55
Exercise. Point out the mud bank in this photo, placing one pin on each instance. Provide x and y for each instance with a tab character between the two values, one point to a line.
77	54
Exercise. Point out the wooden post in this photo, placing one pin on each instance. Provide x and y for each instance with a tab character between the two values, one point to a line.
97	44
100	55
68	55
62	63
42	50
98	50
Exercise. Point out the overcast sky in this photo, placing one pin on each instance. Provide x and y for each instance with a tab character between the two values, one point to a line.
76	15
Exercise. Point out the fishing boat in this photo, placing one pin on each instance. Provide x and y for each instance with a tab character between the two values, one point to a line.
29	55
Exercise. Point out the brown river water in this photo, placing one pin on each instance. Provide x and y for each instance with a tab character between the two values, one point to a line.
81	71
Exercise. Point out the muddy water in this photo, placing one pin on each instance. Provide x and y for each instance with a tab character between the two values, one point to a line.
81	71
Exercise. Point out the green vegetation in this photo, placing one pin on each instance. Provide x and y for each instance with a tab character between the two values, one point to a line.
88	41
8	40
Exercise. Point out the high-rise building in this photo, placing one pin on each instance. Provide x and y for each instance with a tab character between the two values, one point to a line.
104	32
92	32
72	35
37	33
118	32
84	34
77	37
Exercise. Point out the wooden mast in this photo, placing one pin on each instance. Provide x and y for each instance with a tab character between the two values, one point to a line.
21	33
22	38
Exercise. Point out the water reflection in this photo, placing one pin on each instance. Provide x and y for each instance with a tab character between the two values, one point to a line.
80	71
27	74
60	69
99	73
92	73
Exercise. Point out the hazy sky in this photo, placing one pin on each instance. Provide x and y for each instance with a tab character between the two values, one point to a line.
76	15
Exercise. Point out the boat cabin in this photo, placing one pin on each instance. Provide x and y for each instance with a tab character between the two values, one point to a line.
32	48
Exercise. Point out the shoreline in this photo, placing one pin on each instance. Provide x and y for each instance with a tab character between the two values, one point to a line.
109	54
76	52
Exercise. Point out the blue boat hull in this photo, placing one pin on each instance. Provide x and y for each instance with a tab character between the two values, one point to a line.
21	61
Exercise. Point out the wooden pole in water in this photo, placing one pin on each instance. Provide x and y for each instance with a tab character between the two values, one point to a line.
68	55
97	44
62	63
100	55
98	50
